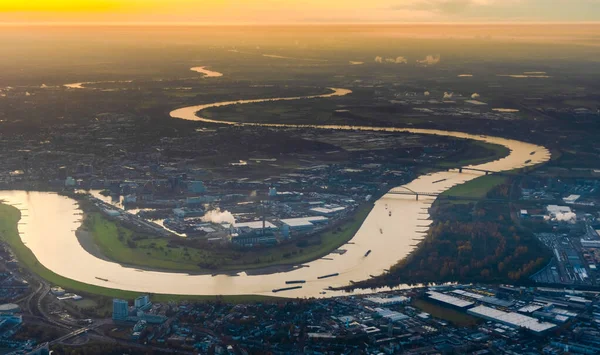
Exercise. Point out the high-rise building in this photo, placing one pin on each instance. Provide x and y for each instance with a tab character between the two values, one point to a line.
120	309
142	302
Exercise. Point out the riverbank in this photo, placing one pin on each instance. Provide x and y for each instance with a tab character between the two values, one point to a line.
109	241
9	234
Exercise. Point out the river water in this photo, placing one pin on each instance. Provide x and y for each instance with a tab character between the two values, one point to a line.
391	230
207	73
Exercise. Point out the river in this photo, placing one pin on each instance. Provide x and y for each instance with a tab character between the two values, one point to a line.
207	73
49	222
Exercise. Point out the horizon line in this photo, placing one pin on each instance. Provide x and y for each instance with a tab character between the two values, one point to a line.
262	24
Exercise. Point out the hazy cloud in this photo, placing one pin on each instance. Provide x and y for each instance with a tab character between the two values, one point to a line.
397	60
449	7
430	60
314	11
401	60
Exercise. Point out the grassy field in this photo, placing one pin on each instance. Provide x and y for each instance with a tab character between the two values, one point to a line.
9	217
477	188
455	317
117	244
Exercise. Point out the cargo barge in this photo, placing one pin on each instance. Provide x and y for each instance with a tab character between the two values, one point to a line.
328	276
286	289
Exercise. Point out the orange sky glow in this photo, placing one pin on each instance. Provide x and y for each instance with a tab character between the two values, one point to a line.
290	11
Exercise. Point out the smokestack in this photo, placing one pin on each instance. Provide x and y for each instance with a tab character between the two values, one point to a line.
264	218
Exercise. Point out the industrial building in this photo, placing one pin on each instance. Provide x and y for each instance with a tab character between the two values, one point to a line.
389	301
449	300
327	209
586	243
554	210
304	222
571	199
468	294
255	225
390	315
253	238
9	308
512	319
301	224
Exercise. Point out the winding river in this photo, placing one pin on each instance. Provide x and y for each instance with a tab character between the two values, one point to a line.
49	222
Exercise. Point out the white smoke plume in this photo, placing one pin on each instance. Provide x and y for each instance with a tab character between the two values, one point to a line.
568	217
430	60
448	95
475	96
426	93
397	60
218	216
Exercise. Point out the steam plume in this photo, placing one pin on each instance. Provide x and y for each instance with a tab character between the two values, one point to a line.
218	216
430	60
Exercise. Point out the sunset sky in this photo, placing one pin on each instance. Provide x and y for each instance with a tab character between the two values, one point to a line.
301	11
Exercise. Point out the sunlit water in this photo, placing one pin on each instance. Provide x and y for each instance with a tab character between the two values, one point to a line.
49	222
87	84
207	73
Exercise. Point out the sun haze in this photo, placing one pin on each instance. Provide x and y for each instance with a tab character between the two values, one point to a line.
307	11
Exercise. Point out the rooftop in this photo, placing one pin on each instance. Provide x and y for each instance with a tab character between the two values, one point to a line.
256	225
303	221
454	301
512	318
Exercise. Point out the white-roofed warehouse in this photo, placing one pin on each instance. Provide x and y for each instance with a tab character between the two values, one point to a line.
255	225
304	222
449	300
511	318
